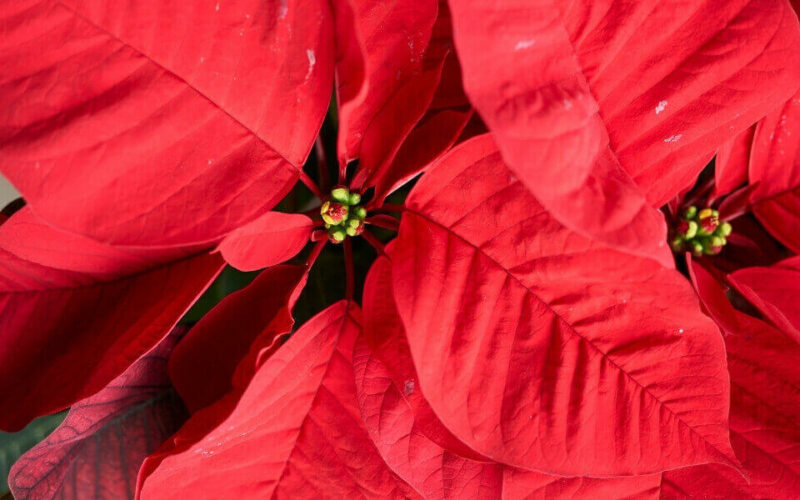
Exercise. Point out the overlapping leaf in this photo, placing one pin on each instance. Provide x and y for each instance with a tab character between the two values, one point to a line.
542	349
160	122
765	386
75	313
775	291
271	239
203	365
296	431
97	450
606	108
380	75
775	166
414	443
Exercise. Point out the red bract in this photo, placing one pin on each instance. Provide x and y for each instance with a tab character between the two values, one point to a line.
160	122
775	168
154	124
295	431
97	450
202	368
775	291
606	109
412	440
600	354
765	386
76	312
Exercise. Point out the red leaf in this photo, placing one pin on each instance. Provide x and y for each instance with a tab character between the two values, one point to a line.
434	472
731	164
765	387
587	118
76	313
295	432
271	239
160	122
542	349
775	291
384	334
434	134
97	450
448	112
382	86
204	363
413	441
775	166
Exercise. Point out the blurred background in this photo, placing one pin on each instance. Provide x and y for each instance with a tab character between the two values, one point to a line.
7	192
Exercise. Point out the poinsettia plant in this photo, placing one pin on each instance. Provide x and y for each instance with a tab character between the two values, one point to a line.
533	249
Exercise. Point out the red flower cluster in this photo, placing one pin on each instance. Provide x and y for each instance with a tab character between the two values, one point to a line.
574	305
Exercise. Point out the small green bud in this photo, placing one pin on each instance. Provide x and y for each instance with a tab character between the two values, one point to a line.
677	244
355	229
337	235
687	229
359	213
341	194
697	248
690	212
724	229
354	199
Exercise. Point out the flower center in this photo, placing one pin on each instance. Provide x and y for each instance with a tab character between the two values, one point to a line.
343	215
700	232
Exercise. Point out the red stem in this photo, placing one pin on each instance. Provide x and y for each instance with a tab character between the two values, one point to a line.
305	179
322	165
312	257
384	221
376	244
348	264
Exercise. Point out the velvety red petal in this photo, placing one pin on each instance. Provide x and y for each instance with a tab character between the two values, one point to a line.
545	350
765	387
434	472
203	365
383	332
448	112
731	164
775	291
775	166
415	444
159	121
295	432
96	452
382	86
76	313
271	239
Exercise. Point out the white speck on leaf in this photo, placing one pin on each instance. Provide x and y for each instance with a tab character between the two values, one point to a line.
247	16
524	44
567	104
241	32
283	9
202	59
680	330
312	60
210	161
673	138
662	105
216	7
408	387
37	165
